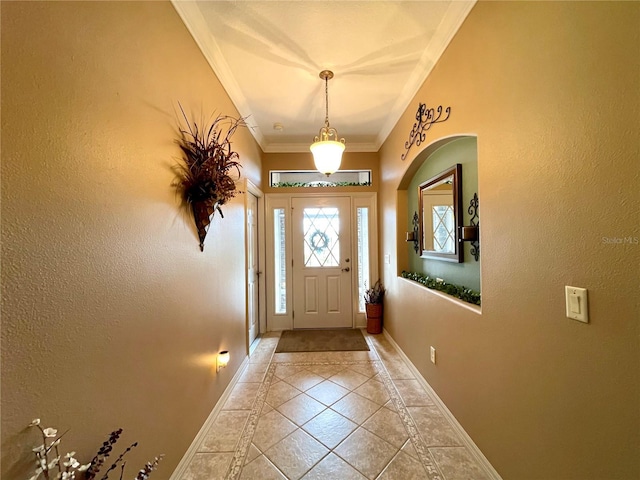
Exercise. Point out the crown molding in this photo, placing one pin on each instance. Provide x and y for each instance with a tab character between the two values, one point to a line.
451	23
197	26
193	19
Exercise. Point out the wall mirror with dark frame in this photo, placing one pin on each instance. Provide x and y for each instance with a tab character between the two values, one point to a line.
440	212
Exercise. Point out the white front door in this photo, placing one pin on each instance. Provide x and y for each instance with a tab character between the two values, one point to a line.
252	267
322	266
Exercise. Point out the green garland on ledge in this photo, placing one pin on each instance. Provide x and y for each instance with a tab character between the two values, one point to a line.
320	185
458	291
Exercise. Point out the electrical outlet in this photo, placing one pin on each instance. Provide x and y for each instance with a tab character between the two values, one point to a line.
433	355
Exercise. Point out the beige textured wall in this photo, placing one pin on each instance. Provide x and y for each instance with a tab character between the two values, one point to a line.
110	313
552	91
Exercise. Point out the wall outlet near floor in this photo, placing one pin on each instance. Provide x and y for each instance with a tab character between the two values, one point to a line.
433	355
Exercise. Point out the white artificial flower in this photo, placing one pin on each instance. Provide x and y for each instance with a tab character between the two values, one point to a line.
35	477
84	468
56	443
50	432
53	463
39	448
34	422
72	462
70	455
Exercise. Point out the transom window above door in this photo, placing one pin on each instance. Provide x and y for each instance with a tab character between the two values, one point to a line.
314	179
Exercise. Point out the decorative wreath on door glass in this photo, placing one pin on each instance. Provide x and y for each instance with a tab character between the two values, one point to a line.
319	241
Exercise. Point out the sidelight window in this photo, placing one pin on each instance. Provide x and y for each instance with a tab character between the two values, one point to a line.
280	258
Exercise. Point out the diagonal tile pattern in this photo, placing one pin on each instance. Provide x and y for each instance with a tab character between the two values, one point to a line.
388	425
330	428
332	466
296	454
367	452
301	409
327	392
331	415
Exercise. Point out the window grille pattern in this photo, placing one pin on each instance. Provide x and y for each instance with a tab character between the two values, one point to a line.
321	228
443	229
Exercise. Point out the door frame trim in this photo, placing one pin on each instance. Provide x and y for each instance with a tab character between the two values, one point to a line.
278	322
250	188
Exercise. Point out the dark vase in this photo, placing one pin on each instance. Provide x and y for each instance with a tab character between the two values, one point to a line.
202	211
374	317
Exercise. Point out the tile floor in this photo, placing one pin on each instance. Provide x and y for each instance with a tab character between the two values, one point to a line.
331	416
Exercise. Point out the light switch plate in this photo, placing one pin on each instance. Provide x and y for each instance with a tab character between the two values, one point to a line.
576	303
387	259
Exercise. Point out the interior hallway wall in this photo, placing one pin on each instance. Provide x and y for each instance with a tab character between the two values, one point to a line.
551	90
111	315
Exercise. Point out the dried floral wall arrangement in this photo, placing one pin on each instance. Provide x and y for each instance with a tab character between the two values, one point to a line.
206	179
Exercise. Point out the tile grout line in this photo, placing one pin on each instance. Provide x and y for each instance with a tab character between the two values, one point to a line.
273	465
328	407
391	353
426	458
312	466
392	458
193	449
242	449
468	443
240	454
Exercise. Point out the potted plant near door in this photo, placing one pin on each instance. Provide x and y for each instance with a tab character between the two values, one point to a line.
373	304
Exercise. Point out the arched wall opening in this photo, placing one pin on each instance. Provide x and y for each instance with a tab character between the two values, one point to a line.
437	157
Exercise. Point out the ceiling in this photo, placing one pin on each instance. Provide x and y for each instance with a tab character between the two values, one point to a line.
268	56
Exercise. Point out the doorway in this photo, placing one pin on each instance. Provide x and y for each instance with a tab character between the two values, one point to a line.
253	271
322	273
317	271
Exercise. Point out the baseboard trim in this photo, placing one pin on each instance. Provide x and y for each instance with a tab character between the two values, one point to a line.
466	439
199	438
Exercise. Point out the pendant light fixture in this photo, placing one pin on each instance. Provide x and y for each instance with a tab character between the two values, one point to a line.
327	149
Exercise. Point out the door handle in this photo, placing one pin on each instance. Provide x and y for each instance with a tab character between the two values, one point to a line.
346	269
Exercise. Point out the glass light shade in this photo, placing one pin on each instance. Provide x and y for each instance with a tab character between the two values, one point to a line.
327	155
223	360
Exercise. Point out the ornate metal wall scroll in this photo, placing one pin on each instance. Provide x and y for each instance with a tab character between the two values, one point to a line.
475	222
416	232
425	117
